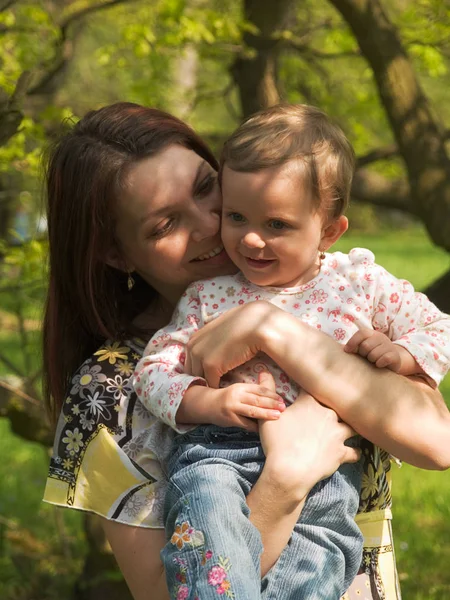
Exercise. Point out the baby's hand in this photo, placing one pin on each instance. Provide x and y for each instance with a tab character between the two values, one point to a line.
377	348
243	404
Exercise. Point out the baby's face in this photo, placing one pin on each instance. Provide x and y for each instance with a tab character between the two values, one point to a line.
270	229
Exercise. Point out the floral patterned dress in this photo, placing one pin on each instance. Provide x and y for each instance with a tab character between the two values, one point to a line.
109	450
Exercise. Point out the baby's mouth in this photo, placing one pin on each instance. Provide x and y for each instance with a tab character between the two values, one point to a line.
258	263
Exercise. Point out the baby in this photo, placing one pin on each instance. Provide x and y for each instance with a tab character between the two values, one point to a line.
286	176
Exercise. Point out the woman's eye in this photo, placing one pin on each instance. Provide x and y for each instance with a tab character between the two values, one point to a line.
207	184
162	229
236	217
278	225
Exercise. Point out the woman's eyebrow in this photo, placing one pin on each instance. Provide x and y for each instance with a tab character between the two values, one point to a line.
198	175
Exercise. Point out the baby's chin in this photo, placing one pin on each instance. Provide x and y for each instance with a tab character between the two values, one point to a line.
228	269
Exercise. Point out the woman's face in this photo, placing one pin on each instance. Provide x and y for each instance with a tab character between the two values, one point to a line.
168	222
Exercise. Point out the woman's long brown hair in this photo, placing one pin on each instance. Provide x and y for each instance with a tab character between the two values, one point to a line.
88	301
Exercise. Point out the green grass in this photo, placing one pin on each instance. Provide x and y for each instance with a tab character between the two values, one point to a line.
407	254
421	499
41	549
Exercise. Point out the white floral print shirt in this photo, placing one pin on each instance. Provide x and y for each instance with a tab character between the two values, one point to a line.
350	290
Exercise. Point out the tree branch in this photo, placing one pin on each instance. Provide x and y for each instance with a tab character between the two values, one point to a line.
5	4
305	49
64	48
78	16
20	393
11	108
385	153
11	366
414	124
376	155
375	189
5	30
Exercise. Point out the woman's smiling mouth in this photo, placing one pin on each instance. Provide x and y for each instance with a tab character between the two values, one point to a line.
215	256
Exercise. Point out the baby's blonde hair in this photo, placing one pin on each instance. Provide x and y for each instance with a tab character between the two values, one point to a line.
287	132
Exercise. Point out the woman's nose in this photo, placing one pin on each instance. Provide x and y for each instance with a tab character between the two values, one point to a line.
253	240
207	225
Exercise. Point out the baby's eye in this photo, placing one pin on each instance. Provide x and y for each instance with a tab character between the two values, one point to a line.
278	225
236	217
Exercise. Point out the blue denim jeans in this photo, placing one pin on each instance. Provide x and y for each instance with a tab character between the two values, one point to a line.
214	550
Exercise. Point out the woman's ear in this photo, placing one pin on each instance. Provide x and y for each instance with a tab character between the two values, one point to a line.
114	259
332	232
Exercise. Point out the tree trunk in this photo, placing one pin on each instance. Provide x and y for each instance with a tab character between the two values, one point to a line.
420	138
439	292
255	71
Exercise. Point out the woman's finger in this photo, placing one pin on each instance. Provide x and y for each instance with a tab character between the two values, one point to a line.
192	365
347	431
266	379
211	374
262	392
352	455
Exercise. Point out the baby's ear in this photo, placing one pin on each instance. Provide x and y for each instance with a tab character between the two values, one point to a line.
332	232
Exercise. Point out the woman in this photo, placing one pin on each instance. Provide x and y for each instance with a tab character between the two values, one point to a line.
133	216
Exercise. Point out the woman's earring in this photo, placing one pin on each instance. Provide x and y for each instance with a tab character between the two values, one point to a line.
321	254
130	282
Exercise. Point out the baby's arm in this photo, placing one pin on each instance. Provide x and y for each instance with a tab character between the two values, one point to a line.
181	400
414	325
378	349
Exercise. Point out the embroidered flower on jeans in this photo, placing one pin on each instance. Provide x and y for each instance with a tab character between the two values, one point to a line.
183	592
206	556
216	575
182	535
186	534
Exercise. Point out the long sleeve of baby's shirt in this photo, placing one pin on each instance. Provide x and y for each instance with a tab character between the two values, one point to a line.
159	378
407	317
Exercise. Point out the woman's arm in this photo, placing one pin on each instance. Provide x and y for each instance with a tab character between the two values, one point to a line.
304	446
137	553
405	416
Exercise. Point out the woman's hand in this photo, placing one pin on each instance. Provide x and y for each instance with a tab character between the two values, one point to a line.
230	340
305	445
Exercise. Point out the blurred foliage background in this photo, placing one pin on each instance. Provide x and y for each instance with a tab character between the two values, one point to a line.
380	68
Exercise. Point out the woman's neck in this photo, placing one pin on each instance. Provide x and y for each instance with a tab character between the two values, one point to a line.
155	316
